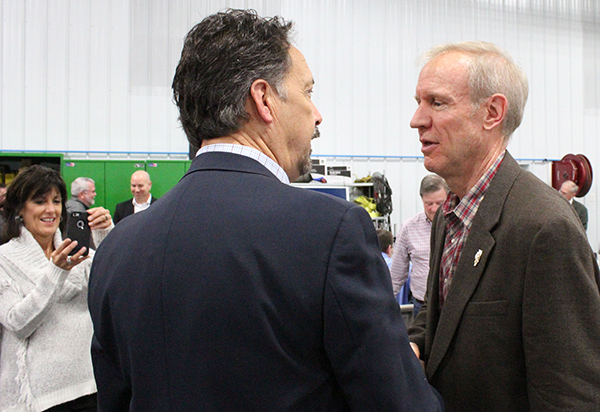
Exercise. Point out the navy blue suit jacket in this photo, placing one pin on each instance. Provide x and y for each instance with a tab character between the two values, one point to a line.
238	292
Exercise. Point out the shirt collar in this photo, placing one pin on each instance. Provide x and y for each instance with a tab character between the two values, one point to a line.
147	202
425	218
250	152
466	208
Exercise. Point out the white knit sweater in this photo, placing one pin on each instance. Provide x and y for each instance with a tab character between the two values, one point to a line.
46	328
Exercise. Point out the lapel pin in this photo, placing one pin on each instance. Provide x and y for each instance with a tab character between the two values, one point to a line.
477	257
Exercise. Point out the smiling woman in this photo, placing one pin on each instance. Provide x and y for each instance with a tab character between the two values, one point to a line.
42	215
44	323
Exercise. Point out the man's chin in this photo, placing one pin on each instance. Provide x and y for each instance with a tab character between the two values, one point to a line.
430	165
305	166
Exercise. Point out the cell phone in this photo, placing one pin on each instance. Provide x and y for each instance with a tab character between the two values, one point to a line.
78	228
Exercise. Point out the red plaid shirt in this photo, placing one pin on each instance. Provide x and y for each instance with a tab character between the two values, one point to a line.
459	215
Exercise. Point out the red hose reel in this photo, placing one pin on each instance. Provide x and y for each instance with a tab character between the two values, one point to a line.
573	167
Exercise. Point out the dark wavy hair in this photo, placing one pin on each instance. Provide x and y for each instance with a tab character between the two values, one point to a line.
35	181
222	56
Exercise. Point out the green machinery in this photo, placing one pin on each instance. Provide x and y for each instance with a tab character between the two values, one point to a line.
111	176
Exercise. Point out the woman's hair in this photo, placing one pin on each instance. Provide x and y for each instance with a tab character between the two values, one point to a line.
35	181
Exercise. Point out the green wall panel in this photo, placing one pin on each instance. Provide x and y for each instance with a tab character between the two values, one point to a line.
164	175
12	162
112	177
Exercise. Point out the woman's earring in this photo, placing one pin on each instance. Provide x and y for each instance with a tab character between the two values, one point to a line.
19	219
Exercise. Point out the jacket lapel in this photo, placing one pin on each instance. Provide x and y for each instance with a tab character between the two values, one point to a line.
473	260
468	274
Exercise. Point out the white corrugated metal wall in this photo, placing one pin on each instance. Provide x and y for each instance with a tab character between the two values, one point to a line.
94	75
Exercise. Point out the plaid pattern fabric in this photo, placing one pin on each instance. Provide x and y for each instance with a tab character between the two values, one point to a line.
459	215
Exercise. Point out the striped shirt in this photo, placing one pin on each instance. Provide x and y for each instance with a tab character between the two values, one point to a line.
250	152
459	215
412	247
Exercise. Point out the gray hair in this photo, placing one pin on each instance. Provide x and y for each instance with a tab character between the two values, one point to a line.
491	71
571	186
431	184
79	185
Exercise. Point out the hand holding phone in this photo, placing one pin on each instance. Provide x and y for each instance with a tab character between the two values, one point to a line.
78	229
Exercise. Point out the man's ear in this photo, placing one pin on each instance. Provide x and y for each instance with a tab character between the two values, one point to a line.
260	93
389	250
496	108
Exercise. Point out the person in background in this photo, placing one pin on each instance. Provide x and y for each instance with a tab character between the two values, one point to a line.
2	195
83	195
235	304
413	241
142	198
386	243
569	189
510	319
45	362
2	198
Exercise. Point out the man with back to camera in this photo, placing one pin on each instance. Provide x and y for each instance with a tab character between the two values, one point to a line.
569	189
142	198
510	320
413	242
247	293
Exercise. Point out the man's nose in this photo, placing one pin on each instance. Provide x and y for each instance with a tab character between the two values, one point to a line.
420	118
318	117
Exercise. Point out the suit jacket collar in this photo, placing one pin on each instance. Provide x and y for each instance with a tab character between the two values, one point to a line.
223	161
472	262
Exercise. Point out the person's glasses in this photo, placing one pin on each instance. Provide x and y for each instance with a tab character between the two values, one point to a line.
89	191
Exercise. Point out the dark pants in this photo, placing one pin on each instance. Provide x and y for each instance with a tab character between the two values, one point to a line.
84	404
417	305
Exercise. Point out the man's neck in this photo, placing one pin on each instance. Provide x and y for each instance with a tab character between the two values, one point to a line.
239	137
255	135
141	202
461	185
82	202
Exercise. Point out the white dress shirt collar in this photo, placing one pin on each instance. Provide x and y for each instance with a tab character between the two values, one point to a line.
250	152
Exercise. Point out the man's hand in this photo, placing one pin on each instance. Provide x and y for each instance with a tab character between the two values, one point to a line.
417	352
99	218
